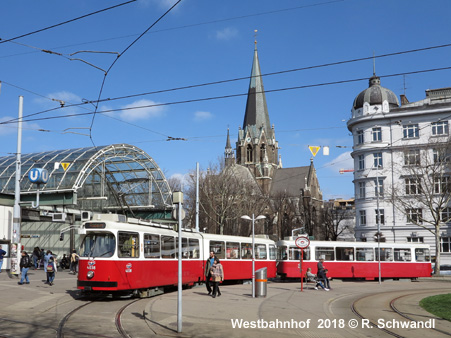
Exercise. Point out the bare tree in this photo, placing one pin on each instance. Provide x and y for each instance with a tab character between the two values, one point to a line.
336	221
226	193
423	195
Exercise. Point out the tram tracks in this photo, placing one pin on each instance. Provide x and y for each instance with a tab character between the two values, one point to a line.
378	309
70	324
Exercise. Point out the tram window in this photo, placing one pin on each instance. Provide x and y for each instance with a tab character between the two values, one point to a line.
194	248
185	251
151	246
246	250
272	252
128	244
345	254
98	245
422	255
260	251
218	248
364	254
167	247
282	253
327	253
295	253
403	255
386	254
233	250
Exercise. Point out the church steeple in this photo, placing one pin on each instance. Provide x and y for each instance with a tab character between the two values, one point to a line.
228	152
256	115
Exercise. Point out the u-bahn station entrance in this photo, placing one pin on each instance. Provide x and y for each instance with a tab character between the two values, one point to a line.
81	183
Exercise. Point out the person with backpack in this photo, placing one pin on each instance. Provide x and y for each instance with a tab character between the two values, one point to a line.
25	264
74	261
49	267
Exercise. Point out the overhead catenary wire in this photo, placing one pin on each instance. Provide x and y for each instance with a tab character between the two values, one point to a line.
117	58
227	96
67	21
200	24
336	63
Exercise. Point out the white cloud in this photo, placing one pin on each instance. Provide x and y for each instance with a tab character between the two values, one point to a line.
160	3
11	128
202	115
145	113
343	161
58	98
227	33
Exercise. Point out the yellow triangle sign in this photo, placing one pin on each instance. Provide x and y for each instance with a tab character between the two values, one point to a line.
65	165
314	150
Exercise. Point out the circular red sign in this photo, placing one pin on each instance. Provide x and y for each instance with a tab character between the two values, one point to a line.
302	242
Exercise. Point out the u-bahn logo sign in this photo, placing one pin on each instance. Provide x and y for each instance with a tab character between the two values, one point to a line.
38	175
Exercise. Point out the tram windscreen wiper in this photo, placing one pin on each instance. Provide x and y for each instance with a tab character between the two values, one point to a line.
93	246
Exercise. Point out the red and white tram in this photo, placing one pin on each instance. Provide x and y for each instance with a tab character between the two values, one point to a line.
356	259
137	256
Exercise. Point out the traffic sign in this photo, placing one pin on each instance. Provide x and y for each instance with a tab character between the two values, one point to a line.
38	175
65	165
314	149
302	242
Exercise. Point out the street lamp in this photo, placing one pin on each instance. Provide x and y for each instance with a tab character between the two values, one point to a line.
253	219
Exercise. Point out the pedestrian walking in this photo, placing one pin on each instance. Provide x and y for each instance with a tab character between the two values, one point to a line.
74	257
25	264
217	276
207	272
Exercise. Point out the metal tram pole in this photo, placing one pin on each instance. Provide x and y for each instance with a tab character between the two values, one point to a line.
178	199
378	224
15	236
197	196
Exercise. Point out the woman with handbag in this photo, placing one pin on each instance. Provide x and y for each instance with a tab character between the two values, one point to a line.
217	276
49	267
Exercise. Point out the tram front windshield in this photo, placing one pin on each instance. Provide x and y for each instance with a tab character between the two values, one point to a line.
100	244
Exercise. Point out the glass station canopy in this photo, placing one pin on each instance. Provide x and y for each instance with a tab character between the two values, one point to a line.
114	178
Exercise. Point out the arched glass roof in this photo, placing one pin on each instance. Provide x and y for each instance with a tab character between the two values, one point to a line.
108	178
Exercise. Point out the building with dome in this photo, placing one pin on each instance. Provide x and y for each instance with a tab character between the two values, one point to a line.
401	167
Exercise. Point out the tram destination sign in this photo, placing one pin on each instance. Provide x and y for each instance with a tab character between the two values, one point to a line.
302	242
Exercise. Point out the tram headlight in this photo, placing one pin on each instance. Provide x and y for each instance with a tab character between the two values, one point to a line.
90	274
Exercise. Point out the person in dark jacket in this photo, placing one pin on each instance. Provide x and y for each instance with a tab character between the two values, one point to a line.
207	272
322	276
25	264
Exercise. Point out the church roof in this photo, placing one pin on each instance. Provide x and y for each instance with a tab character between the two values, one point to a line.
256	109
289	181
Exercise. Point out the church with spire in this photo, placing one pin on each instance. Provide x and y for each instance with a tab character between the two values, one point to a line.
257	153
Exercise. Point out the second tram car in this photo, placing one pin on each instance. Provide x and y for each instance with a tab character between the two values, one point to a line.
357	260
141	257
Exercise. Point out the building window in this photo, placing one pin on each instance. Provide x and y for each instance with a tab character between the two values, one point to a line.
445	215
262	152
377	134
411	131
442	185
380	186
362	214
360	139
361	162
377	160
415	239
440	128
414	216
249	153
445	244
412	157
381	217
362	190
413	186
440	156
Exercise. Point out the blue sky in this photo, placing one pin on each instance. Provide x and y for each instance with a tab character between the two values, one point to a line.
204	41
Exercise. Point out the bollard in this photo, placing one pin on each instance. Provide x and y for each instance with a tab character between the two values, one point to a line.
260	282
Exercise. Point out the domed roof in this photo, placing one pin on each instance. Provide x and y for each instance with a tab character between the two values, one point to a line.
375	94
